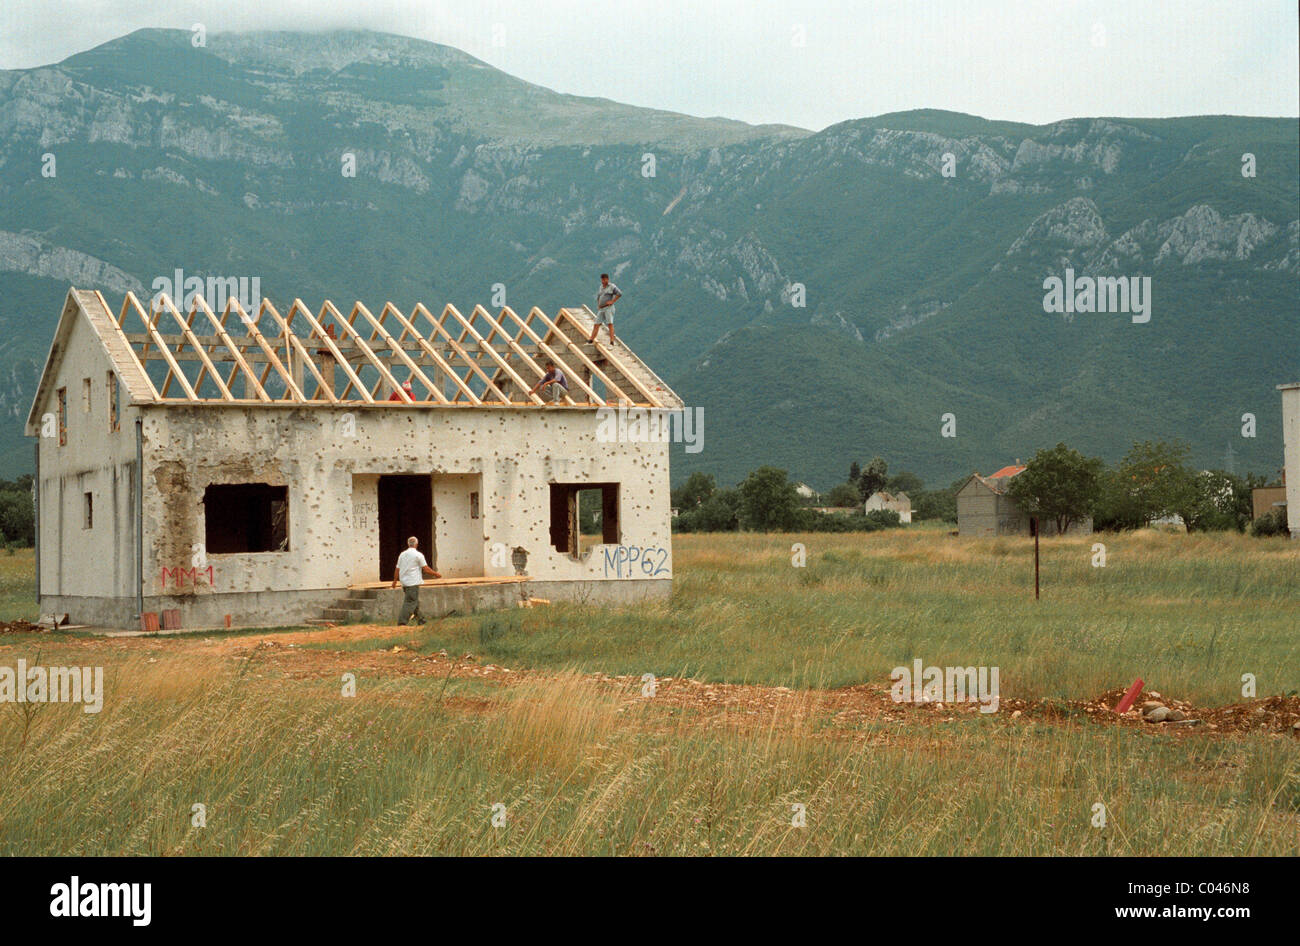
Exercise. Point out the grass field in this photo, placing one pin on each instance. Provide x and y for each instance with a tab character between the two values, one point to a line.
521	712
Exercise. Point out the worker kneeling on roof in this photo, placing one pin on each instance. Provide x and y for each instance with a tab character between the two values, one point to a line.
554	378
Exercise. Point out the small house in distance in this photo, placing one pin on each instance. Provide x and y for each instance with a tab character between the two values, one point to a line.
804	491
267	468
1264	499
894	502
985	508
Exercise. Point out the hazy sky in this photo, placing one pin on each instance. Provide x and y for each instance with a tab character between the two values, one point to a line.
802	63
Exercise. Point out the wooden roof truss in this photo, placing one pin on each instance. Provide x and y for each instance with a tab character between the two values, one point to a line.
328	358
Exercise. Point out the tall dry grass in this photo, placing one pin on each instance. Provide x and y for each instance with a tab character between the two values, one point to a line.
293	767
1188	614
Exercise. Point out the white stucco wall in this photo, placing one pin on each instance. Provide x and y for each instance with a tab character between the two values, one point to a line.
330	460
1291	449
100	560
459	535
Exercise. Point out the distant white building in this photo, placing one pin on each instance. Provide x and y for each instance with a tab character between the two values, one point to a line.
895	502
805	491
1291	451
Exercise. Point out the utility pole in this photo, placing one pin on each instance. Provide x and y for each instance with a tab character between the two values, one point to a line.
1034	520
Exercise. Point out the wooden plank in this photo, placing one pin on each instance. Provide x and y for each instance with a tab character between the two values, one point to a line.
129	300
435	582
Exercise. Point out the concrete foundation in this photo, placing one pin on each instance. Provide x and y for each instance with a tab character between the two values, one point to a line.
286	608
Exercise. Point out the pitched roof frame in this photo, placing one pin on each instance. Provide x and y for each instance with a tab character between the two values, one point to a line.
429	350
433	350
378	330
550	353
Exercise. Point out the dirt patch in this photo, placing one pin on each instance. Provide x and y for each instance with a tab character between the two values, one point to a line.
20	627
846	707
843	710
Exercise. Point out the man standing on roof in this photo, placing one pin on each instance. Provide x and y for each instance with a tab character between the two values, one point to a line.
606	296
410	569
554	378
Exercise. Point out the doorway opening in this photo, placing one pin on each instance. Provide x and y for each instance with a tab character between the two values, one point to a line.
405	509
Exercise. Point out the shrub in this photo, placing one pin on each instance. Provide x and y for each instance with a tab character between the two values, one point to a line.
1271	523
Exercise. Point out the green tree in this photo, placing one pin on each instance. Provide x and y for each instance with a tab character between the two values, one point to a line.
768	500
855	472
873	478
1157	480
1058	484
719	513
905	482
693	493
1219	502
17	515
1116	509
846	494
938	504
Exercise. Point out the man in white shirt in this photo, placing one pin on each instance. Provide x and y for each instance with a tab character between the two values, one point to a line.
410	568
606	296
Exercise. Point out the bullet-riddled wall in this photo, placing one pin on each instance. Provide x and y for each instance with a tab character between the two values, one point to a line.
491	472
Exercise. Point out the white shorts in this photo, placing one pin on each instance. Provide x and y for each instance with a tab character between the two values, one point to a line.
605	316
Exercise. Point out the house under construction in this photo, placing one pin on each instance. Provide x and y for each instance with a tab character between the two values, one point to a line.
267	468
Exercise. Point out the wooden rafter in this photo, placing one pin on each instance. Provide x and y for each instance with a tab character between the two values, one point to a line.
459	349
129	302
502	364
576	349
173	368
409	328
187	330
526	329
464	360
434	390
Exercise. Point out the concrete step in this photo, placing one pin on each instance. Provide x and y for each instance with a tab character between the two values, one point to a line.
342	614
351	604
363	594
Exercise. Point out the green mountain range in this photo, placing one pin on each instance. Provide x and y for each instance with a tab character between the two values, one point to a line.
824	297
